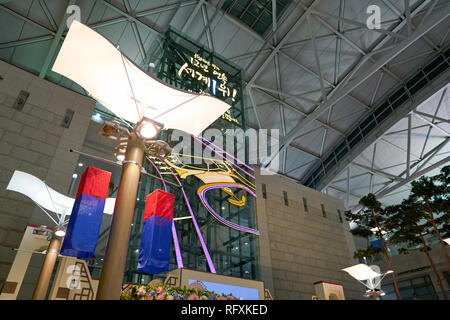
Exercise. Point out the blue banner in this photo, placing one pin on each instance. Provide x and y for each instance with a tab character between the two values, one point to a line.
154	251
84	225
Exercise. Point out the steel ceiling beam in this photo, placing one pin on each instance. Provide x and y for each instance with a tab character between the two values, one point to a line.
326	125
26	19
431	124
136	33
22	42
357	23
141	14
357	48
342	91
129	17
381	130
441	120
192	15
55	43
207	28
287	95
283	41
433	153
252	100
407	18
378	172
413	177
48	14
316	58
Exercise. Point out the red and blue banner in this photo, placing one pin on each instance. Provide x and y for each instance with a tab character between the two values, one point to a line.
154	251
87	212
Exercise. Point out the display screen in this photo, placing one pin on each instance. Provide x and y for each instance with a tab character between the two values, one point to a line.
241	293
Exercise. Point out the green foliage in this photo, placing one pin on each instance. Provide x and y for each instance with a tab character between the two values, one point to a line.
372	217
406	224
371	251
414	217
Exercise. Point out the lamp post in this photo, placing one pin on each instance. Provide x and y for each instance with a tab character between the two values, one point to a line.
366	275
111	278
134	144
119	85
41	288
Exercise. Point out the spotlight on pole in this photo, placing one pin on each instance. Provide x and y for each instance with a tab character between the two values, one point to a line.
119	151
60	231
148	129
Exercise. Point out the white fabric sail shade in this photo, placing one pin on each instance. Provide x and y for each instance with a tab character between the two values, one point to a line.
362	272
94	63
46	197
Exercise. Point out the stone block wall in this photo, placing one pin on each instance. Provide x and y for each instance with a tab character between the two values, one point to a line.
32	140
299	247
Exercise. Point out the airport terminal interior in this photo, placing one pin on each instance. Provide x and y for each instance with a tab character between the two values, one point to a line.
224	149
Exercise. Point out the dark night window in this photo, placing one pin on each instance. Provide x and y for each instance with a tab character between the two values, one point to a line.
324	213
285	196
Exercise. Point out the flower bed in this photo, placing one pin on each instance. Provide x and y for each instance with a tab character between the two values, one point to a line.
163	292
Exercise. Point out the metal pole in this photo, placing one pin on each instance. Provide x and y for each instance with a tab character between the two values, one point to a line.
375	295
347	191
111	279
408	148
40	291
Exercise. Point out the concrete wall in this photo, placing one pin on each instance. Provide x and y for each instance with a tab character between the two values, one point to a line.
298	248
416	264
33	141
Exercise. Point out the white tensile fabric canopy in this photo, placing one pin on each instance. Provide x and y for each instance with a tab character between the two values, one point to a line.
94	63
362	272
46	197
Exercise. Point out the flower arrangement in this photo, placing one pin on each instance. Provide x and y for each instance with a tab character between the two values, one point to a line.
163	292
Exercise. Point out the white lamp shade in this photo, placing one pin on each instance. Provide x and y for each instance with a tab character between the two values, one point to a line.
362	272
95	64
46	197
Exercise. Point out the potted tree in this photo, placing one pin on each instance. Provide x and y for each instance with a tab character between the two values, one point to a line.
371	221
431	196
409	229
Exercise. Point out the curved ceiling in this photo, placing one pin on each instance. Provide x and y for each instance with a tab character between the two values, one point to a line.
314	71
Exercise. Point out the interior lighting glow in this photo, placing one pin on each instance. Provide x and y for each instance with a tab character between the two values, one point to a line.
148	131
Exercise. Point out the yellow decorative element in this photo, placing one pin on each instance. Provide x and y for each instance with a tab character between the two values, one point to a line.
234	200
239	203
216	171
181	172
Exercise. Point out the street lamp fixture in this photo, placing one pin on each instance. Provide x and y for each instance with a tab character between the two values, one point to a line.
60	231
134	96
367	276
147	128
